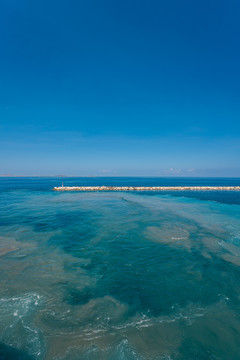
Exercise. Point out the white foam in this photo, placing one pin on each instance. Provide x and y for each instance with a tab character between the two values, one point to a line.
17	327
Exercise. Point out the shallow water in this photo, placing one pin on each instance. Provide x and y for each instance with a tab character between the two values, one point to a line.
118	275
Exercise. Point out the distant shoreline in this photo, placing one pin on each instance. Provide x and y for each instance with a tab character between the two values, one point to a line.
119	176
147	188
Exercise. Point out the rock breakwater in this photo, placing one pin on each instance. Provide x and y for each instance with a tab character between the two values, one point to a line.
147	188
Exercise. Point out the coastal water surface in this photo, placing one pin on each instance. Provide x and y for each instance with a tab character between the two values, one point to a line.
119	275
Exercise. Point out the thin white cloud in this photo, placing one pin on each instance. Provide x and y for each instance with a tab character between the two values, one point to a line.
105	171
172	171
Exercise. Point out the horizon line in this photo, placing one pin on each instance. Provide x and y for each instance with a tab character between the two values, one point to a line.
114	176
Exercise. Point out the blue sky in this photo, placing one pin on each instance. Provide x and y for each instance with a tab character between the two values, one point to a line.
120	87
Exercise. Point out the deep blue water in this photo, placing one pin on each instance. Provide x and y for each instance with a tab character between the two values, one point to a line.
119	275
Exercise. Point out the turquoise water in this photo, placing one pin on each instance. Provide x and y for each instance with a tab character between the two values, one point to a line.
123	275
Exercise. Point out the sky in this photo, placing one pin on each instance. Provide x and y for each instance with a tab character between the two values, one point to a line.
120	88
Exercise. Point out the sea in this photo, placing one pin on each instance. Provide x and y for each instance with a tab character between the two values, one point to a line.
119	275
